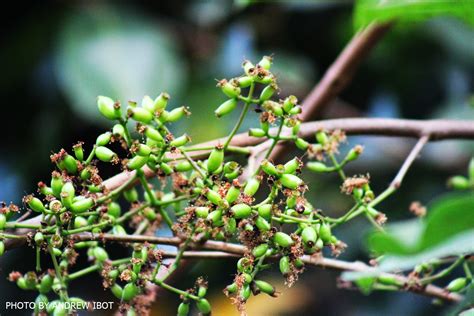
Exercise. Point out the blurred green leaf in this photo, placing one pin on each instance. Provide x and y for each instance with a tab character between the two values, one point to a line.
447	216
408	11
118	54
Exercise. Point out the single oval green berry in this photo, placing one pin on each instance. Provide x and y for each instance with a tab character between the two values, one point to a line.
176	114
290	181
252	186
39	238
56	183
226	107
230	89
265	211
116	290
245	81
140	114
241	211
183	309
269	168
202	211
257	132
245	292
130	290
119	230
260	250
268	91
114	209
265	287
309	236
166	168
215	217
388	280
41	302
203	306
232	194
131	195
456	285
60	310
82	205
118	130
34	203
459	183
180	141
108	108
292	166
143	150
317	166
325	233
137	162
284	265
2	247
216	157
231	226
105	154
147	104
266	62
67	194
289	103
46	284
79	222
153	134
214	197
161	101
100	254
244	265
282	239
69	163
103	139
262	224
232	288
183	166
301	144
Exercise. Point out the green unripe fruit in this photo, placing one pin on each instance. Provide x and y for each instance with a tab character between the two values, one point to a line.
34	203
226	107
282	239
180	141
215	217
204	306
262	224
231	226
269	168
105	154
265	211
266	62
252	186
322	137
82	205
202	291
459	183
325	233
301	144
245	292
143	150
292	166
244	81
265	287
202	211
140	114
257	132
260	250
309	236
118	130
214	197
232	288
131	195
268	91
166	168
153	134
241	211
3	221
60	310
108	108
21	283
457	285
67	194
69	163
470	169
103	139
290	181
298	263
114	209
229	88
79	222
183	309
354	153
46	284
232	194
161	101
248	67
183	166
129	292
56	183
57	252
215	159
147	104
285	265
176	114
244	265
100	254
39	238
137	162
2	247
317	166
289	103
116	290
119	230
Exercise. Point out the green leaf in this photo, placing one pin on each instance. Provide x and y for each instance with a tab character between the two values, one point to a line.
409	11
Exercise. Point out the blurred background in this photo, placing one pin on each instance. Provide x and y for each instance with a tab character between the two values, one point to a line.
57	56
